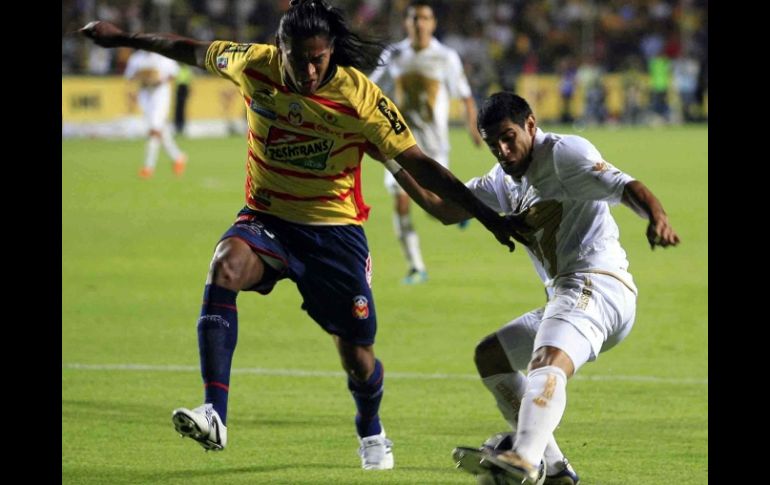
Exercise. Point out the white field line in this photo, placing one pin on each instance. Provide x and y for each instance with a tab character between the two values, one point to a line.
340	374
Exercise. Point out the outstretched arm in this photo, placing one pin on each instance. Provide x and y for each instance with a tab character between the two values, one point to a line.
445	211
432	176
182	49
641	200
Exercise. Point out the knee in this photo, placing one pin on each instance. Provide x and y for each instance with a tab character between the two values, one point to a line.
359	373
358	361
234	266
490	357
226	272
359	369
552	356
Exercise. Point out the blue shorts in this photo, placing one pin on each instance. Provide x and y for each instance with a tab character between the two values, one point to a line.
331	266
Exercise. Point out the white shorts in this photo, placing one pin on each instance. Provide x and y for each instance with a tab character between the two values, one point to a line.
155	103
390	180
589	313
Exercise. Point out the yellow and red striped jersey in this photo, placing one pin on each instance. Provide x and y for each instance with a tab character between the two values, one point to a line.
304	152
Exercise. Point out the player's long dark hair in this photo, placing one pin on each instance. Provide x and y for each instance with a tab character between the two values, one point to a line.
308	18
500	106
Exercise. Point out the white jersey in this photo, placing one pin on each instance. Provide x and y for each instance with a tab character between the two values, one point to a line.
421	83
564	198
153	72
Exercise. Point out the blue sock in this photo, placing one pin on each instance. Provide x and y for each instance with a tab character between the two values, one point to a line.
368	396
217	336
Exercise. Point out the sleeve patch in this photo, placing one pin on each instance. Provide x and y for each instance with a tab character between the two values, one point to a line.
397	124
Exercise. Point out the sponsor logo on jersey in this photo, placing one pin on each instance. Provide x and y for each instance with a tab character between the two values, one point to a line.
221	62
261	110
297	149
397	124
295	114
360	307
238	48
265	97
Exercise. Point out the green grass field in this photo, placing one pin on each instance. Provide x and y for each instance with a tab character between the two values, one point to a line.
134	259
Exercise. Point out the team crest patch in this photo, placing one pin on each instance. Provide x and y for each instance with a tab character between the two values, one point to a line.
360	307
397	124
295	114
221	62
297	149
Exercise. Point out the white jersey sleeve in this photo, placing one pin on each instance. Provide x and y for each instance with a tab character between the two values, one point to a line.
584	174
131	67
490	189
457	81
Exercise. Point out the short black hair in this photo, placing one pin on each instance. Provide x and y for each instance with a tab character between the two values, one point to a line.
421	3
308	18
500	106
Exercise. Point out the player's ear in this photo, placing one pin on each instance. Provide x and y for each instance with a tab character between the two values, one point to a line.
531	124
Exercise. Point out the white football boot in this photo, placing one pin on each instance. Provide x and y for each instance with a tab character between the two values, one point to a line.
202	424
376	452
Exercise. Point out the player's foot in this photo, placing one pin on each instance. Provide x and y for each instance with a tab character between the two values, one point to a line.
414	277
462	225
202	424
376	452
566	476
514	467
470	460
180	164
146	172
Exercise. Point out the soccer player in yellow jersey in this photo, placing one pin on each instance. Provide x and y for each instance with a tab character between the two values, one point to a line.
311	114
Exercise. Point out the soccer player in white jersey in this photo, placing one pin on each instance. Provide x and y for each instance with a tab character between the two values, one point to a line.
154	74
422	74
560	189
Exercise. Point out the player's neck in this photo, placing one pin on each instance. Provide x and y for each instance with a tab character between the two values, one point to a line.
418	45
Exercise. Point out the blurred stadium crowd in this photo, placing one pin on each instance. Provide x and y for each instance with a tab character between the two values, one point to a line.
655	47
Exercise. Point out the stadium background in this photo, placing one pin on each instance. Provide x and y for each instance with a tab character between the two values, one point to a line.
623	61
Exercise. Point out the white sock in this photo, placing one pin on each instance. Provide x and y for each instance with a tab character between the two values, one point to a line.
541	410
410	242
170	145
508	390
151	153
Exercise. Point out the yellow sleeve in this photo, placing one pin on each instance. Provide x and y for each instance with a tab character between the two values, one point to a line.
384	125
228	59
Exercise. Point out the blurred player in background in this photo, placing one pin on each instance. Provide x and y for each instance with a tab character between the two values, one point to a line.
183	81
312	115
560	189
422	75
154	73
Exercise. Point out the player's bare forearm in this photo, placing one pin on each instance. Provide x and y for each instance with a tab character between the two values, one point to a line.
470	120
432	176
182	49
445	211
641	200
